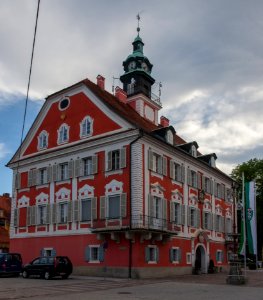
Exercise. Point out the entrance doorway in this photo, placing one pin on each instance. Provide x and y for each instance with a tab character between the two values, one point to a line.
200	260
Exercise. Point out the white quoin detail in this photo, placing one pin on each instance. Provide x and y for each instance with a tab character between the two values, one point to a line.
42	198
63	194
23	202
114	187
86	191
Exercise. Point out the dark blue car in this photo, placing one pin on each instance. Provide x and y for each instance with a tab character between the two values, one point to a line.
10	264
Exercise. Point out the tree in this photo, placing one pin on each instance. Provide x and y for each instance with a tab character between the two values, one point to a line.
253	170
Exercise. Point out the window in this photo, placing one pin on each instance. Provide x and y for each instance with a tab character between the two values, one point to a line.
63	171
63	134
86	127
157	207
64	103
193	179
116	159
114	207
188	258
219	190
177	213
207	220
219	223
228	228
42	214
193	217
157	163
219	256
94	253
207	185
176	171
86	210
43	140
87	166
42	176
63	212
175	255
151	254
193	151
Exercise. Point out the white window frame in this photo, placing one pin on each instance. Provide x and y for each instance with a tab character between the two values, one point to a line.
108	206
63	171
64	205
175	255
207	220
84	126
91	249
81	209
42	173
87	166
63	134
219	256
188	258
43	140
41	214
152	250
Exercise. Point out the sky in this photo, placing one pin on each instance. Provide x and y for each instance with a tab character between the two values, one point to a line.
208	55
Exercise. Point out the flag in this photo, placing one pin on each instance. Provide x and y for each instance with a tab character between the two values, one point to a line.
250	208
241	247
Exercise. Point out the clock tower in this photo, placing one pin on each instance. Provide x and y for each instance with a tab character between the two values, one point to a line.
137	81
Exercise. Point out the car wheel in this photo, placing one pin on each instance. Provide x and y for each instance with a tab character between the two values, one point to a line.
65	276
47	275
25	274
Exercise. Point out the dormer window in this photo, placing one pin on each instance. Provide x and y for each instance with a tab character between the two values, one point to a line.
43	140
63	134
86	127
212	162
169	137
193	151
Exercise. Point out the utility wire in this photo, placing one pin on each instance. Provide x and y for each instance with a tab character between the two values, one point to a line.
29	80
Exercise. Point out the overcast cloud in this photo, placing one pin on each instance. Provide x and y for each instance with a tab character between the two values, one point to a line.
208	54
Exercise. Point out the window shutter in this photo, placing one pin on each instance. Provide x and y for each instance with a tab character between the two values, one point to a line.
48	214
199	185
164	166
38	177
42	252
212	186
160	164
203	220
223	191
103	207
34	177
123	204
33	215
189	177
171	254
28	216
29	179
49	174
101	253
123	158
77	167
179	173
87	253
164	211
94	208
189	216
16	217
183	173
76	210
81	167
71	169
171	211
183	209
54	171
53	253
147	254
54	213
157	254
172	168
214	221
94	164
109	161
150	160
209	186
226	229
70	211
222	224
151	205
215	189
179	254
203	182
18	181
198	218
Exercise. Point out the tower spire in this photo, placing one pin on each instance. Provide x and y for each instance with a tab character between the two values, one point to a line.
138	27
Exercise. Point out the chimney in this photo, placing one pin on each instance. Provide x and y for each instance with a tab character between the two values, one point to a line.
120	94
164	121
101	82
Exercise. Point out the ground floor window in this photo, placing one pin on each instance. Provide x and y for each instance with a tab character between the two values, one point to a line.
175	255
219	256
151	254
188	258
94	253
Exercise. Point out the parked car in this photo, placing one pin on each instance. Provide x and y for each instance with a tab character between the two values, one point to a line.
48	267
10	264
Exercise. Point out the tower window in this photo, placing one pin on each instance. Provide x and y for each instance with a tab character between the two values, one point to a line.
64	103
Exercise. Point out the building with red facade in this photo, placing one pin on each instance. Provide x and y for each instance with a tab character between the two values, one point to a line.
5	214
102	179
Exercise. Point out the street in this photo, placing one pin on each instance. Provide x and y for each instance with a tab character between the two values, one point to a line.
185	287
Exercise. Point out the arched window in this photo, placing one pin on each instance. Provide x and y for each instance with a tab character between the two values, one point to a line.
43	140
86	127
63	134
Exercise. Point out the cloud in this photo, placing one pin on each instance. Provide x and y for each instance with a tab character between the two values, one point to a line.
3	150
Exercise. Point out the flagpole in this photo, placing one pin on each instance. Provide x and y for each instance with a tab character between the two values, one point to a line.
255	212
244	223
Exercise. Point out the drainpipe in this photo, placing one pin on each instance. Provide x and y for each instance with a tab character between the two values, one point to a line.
130	192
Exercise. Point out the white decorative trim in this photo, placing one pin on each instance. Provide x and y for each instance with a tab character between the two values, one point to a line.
63	195
114	172
62	98
193	199
114	187
177	195
86	191
218	210
23	202
39	145
91	120
86	177
42	198
58	132
207	205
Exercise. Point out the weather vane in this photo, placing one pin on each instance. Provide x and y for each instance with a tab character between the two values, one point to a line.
138	18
